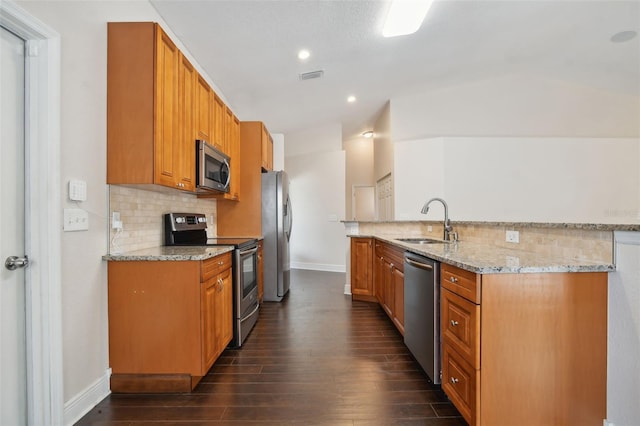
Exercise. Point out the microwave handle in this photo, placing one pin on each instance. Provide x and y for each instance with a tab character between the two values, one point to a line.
226	164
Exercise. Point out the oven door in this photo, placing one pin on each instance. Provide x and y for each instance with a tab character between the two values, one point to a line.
247	282
212	168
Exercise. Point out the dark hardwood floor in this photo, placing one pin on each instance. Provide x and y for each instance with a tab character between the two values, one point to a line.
317	358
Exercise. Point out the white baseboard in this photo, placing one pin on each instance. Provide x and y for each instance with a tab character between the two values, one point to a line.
347	289
606	423
83	402
319	267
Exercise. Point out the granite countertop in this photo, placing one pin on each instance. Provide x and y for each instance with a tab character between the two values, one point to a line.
586	226
172	253
489	259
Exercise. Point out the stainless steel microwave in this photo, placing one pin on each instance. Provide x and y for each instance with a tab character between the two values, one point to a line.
212	168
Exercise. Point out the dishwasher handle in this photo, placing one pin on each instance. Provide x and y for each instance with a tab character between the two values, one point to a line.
418	264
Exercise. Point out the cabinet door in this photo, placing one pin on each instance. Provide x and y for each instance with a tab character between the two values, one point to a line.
378	274
204	113
209	344
225	309
397	278
166	110
218	122
361	267
389	295
234	153
267	149
185	151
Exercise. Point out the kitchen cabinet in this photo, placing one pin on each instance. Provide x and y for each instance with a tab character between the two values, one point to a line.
244	218
267	150
219	135
168	322
150	102
377	275
362	269
204	113
525	349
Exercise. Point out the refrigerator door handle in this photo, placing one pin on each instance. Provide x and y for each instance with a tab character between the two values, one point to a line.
289	213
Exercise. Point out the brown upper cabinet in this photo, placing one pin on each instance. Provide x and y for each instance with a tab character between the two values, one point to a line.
150	103
204	113
218	139
267	150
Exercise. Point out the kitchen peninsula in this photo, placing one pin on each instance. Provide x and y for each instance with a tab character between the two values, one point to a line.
523	331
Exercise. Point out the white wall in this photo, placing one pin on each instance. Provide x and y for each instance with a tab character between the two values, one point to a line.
623	359
520	179
83	33
516	105
359	168
315	164
278	151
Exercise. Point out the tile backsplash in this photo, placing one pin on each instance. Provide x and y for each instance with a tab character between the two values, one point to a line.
142	212
579	244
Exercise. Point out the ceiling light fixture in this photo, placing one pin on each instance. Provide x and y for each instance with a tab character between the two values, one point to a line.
351	99
368	134
303	54
623	36
405	17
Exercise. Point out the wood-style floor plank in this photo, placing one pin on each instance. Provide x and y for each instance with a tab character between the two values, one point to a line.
317	358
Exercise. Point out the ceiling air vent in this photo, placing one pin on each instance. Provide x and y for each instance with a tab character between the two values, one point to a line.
311	75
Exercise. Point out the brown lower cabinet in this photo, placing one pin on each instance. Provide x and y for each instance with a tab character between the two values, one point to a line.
525	349
377	275
168	322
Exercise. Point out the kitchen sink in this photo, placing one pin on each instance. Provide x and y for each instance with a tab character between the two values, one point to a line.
418	240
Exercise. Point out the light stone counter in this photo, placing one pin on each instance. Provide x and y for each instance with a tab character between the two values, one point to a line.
490	259
175	253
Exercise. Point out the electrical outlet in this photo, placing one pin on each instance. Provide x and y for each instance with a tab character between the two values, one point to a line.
116	223
513	237
429	228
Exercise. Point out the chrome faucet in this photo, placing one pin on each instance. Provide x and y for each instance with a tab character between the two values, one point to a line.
448	229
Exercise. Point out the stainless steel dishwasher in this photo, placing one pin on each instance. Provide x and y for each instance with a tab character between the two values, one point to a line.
422	312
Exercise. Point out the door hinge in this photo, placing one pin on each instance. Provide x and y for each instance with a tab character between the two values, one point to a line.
31	48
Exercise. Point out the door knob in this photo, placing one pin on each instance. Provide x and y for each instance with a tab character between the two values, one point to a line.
14	262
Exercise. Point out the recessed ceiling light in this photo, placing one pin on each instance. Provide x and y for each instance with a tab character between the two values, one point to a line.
303	54
351	99
368	134
405	17
623	36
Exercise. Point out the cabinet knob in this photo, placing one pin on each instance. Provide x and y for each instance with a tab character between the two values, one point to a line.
453	279
454	380
454	323
221	263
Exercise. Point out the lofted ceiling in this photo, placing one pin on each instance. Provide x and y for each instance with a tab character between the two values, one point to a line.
249	49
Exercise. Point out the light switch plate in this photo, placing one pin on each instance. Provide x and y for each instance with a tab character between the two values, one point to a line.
513	237
75	220
77	190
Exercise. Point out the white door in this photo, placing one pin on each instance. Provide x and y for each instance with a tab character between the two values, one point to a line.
13	389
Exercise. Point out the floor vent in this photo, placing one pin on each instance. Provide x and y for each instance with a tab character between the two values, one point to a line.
311	75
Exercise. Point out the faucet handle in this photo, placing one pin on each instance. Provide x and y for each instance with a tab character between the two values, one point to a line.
453	234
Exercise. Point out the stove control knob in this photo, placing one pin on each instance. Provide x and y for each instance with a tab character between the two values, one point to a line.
180	219
202	219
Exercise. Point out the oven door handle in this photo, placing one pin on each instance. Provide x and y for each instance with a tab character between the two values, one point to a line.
250	251
251	313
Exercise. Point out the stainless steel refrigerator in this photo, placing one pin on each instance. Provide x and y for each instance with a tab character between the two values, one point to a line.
276	228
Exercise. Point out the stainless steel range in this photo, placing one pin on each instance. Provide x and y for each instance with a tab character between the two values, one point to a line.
190	229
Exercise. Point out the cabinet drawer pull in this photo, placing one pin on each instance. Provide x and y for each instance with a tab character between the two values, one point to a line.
221	263
453	279
454	323
454	380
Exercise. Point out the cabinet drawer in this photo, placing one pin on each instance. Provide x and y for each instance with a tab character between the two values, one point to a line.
461	326
461	282
214	266
461	383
